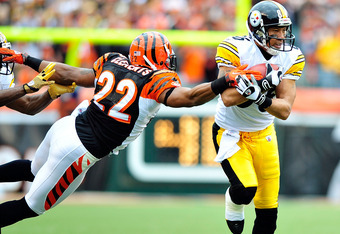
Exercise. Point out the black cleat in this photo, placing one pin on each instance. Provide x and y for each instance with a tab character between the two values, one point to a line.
236	227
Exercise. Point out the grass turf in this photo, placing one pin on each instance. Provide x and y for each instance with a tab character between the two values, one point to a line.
127	214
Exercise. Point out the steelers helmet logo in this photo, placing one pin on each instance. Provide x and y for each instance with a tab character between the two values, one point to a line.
255	18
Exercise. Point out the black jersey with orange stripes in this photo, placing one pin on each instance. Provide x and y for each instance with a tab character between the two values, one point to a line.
124	102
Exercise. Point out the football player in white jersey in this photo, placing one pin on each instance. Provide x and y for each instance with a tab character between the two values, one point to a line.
243	132
128	94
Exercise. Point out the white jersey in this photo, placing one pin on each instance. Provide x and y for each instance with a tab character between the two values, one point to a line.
237	51
6	81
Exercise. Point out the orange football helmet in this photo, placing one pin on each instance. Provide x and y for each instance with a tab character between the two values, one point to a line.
153	50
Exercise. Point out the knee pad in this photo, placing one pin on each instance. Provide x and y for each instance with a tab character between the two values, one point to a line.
241	195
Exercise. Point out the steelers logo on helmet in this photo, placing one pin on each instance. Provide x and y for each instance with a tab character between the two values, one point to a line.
255	18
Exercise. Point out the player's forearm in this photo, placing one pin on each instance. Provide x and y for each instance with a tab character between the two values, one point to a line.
63	74
32	104
201	94
279	108
37	103
8	95
66	74
186	97
231	97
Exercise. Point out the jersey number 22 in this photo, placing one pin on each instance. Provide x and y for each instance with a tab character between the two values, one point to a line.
127	86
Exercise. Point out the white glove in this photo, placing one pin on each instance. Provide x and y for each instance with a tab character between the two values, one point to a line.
249	90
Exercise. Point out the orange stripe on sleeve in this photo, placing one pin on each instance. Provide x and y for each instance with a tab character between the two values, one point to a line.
98	65
160	81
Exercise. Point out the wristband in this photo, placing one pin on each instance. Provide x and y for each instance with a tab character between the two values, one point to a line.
32	62
219	85
167	96
266	103
24	87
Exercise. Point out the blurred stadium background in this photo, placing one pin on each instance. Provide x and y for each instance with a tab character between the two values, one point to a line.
175	154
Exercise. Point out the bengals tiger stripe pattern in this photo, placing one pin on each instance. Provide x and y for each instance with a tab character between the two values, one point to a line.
68	177
152	45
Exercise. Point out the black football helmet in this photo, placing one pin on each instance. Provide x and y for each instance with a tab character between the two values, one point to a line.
267	14
6	68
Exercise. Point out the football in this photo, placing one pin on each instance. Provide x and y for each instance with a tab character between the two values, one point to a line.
264	68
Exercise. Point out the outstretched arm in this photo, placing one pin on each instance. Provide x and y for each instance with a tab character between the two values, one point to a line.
200	94
186	97
65	74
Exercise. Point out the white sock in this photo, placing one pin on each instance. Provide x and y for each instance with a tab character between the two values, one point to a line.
233	212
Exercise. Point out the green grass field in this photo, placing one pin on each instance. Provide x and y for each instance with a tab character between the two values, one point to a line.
133	214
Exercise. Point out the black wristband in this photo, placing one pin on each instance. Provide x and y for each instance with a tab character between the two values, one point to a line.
33	62
219	85
266	103
167	96
24	88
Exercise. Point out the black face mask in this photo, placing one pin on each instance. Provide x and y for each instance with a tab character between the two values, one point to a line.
6	68
288	41
172	62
